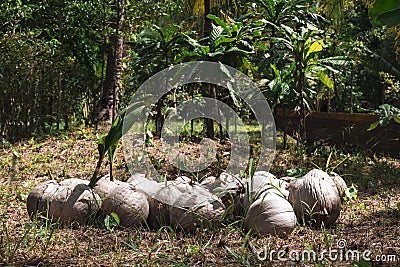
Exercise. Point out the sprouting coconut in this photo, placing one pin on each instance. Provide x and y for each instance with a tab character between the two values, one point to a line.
104	186
70	201
270	214
71	182
315	198
130	205
74	204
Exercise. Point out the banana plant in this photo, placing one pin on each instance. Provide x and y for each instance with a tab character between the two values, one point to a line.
280	85
228	42
385	12
302	46
305	70
156	49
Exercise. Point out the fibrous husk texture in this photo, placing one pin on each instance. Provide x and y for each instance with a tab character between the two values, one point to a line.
271	214
264	201
70	201
315	198
230	189
104	186
262	181
130	205
40	197
180	203
268	210
340	184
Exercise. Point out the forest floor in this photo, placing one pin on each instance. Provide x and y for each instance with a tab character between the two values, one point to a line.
368	225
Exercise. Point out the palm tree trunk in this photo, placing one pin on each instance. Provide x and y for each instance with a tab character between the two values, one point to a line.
108	102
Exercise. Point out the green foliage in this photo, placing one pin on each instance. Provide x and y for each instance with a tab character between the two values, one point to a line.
47	65
228	42
385	12
51	69
297	172
111	221
351	193
388	113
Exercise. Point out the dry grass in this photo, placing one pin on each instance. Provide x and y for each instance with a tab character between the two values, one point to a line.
372	222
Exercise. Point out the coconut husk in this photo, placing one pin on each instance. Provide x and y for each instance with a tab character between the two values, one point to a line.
71	182
74	203
262	182
70	201
315	198
340	184
196	207
270	214
104	186
324	176
229	189
40	196
130	205
178	203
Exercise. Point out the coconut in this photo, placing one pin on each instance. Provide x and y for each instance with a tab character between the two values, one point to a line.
179	203
209	182
104	186
70	201
264	173
184	179
73	182
324	176
136	176
40	196
130	205
229	188
340	184
158	207
74	203
270	214
315	198
262	182
196	207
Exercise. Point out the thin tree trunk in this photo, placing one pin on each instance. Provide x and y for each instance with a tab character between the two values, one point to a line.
111	85
351	92
210	122
59	100
299	81
302	109
207	30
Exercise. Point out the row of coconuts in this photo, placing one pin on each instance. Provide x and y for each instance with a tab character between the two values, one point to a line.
268	205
